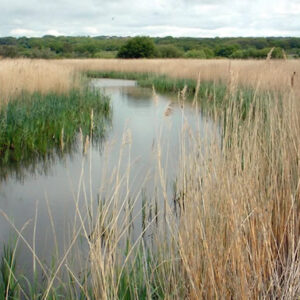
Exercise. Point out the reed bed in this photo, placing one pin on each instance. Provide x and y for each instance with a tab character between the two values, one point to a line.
268	74
34	124
239	229
230	230
43	107
44	76
62	75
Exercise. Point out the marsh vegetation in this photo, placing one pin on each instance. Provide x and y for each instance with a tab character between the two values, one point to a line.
226	227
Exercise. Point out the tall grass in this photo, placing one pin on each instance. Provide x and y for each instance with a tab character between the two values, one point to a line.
58	75
209	94
238	233
8	284
32	125
43	107
19	75
257	74
234	233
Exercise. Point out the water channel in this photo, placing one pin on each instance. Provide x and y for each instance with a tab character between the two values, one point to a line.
142	122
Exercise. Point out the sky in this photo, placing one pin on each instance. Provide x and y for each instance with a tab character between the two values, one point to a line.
193	18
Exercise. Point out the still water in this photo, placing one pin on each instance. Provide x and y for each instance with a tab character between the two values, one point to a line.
142	122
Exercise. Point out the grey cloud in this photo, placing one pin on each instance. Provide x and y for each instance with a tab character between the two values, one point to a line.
156	17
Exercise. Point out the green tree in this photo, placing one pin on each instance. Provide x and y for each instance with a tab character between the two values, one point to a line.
8	51
226	50
138	47
195	54
169	51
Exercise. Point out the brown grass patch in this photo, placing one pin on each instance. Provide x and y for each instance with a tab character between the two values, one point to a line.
273	74
18	75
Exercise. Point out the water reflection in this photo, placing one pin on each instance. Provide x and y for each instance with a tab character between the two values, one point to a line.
42	164
64	184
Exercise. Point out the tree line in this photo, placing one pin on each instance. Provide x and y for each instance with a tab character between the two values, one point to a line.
166	47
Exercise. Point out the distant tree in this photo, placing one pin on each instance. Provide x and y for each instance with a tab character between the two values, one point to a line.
107	46
8	41
294	43
8	51
43	53
240	54
67	47
209	52
195	54
277	53
138	47
169	51
226	50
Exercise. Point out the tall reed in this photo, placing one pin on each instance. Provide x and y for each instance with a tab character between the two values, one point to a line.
267	75
230	230
24	75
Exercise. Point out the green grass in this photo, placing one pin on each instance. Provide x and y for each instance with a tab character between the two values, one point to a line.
209	92
9	286
140	278
34	125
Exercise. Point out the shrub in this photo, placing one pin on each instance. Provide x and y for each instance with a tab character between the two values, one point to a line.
138	47
169	51
195	54
226	50
8	51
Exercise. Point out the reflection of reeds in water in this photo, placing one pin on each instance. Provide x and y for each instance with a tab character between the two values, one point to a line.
154	95
197	89
86	145
168	110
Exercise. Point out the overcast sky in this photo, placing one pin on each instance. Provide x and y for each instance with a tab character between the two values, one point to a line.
198	18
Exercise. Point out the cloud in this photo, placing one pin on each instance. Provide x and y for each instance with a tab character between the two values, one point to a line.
155	18
54	32
22	32
91	30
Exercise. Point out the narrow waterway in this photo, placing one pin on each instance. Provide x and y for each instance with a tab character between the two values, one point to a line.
144	126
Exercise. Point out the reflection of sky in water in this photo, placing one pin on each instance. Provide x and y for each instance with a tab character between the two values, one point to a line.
135	110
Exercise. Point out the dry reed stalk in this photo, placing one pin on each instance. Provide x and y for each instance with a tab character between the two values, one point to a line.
168	110
269	55
86	145
62	144
197	88
284	54
239	231
154	95
237	235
